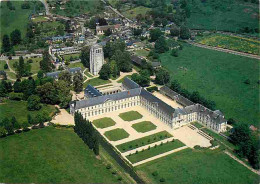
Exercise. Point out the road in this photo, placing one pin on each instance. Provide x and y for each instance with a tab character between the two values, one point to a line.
44	2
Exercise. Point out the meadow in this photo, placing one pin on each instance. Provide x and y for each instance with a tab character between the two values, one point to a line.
219	77
200	167
236	43
223	15
132	13
51	155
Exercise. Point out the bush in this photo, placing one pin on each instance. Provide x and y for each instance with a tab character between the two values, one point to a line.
26	129
18	131
247	81
149	147
162	180
3	132
136	152
136	145
119	178
34	103
152	89
108	166
155	173
161	143
114	172
5	66
175	52
16	96
35	127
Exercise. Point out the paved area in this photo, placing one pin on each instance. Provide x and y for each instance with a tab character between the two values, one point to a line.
167	100
64	118
159	156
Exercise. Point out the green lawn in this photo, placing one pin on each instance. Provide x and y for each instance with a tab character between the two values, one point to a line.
104	122
51	155
75	65
132	13
116	134
96	82
144	126
196	124
223	15
143	141
2	64
18	109
67	57
35	65
121	80
156	150
219	77
200	167
142	52
130	115
39	19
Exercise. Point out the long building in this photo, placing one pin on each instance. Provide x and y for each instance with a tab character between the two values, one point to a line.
133	95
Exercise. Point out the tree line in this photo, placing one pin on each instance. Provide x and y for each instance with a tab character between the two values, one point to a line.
86	132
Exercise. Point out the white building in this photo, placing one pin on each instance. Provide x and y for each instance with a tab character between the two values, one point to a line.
96	59
133	95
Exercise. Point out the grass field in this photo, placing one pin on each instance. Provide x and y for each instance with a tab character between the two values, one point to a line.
18	109
130	115
51	155
40	19
78	64
96	82
156	150
143	141
142	52
2	64
132	13
35	65
121	80
200	167
223	15
67	57
236	43
144	126
116	134
104	122
15	19
219	77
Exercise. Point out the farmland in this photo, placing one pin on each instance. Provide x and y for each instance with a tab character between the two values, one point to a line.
231	42
219	77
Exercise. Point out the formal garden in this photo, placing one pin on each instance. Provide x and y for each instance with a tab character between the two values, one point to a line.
144	126
130	116
143	141
116	134
236	43
104	122
155	150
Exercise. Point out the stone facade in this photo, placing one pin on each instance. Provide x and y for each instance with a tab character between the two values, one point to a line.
96	59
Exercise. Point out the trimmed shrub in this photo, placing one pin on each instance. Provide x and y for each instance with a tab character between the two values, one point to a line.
108	166
16	96
162	180
119	178
155	173
3	132
114	172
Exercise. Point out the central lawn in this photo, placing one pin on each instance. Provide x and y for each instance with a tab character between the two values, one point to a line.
116	134
50	155
200	167
2	64
35	65
143	141
75	56
156	150
104	122
18	109
219	77
144	126
130	115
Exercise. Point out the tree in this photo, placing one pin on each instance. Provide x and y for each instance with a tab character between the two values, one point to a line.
184	32
111	48
3	132
34	103
8	126
137	32
114	71
46	64
84	56
174	52
6	47
161	45
16	37
143	79
104	73
164	22
102	21
48	93
162	76
108	32
157	22
15	124
155	34
123	60
60	30
67	26
63	92
40	74
175	31
78	82
175	86
17	86
66	76
29	87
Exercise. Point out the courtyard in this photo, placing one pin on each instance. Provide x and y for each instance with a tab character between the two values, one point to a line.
141	137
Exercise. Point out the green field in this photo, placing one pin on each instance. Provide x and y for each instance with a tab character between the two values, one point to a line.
200	167
223	15
132	13
130	115
51	155
142	52
116	134
14	19
96	82
39	19
18	109
219	77
144	126
153	151
2	64
236	43
104	122
35	65
143	141
67	57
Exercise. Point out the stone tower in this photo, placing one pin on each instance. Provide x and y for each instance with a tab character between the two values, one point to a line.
96	59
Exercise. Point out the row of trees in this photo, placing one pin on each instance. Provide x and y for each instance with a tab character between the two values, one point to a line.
86	132
8	42
109	70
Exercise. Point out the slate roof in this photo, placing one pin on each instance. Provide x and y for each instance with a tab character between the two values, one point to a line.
136	59
91	92
129	84
56	74
156	64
